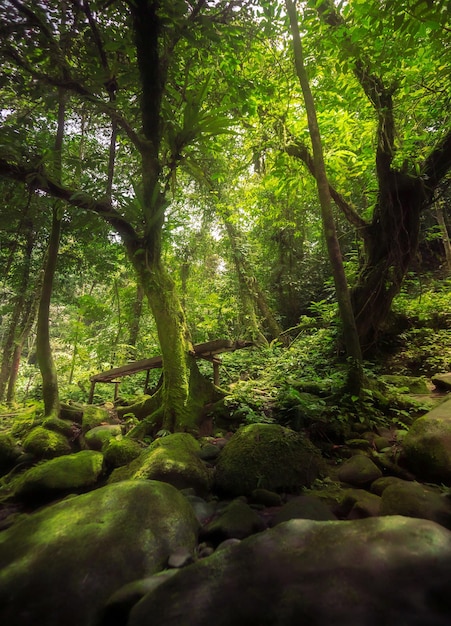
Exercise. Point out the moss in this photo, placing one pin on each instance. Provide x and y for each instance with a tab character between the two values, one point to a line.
268	456
61	426
94	416
8	451
99	437
121	452
46	444
178	442
73	471
413	384
28	419
427	449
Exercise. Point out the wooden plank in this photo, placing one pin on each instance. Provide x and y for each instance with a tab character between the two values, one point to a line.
201	350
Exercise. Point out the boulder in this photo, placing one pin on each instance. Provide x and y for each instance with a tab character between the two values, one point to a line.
359	471
65	474
61	564
267	456
99	437
121	452
94	416
303	507
172	459
236	521
415	500
67	428
412	384
358	503
389	571
442	381
43	443
427	445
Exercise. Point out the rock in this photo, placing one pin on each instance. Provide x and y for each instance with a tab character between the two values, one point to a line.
69	429
61	564
203	510
358	504
120	452
381	484
46	444
94	416
99	437
181	557
118	606
209	452
266	497
73	472
412	384
236	521
415	500
9	452
442	381
26	420
380	443
359	471
267	456
173	459
303	507
427	445
389	571
72	412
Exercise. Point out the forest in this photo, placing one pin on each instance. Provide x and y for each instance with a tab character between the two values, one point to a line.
225	312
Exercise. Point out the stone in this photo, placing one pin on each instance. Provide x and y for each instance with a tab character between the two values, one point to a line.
98	438
120	452
236	521
358	504
69	429
180	558
267	456
427	445
64	474
61	564
442	381
359	471
303	507
266	497
381	484
412	384
390	571
46	444
94	416
415	500
173	459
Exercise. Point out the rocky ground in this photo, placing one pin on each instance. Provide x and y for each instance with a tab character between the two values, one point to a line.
257	527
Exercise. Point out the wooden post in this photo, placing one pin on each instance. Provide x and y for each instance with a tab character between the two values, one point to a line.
116	389
216	363
91	392
147	381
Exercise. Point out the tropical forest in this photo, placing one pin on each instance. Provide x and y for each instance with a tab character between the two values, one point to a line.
225	312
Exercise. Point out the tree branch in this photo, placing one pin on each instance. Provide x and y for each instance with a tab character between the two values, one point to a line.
300	151
37	179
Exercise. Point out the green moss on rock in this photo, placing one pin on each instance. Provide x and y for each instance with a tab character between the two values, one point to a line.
99	437
121	452
94	416
268	456
46	444
66	428
8	451
66	473
26	420
413	384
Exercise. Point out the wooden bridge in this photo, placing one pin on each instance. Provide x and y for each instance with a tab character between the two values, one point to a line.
207	351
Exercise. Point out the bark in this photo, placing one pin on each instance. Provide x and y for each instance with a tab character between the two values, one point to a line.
136	318
350	336
445	236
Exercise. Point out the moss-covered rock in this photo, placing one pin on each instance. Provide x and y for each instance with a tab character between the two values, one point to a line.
61	564
427	445
359	471
99	437
268	456
411	384
46	444
9	452
413	499
390	571
173	459
237	521
120	452
94	416
67	428
72	412
73	472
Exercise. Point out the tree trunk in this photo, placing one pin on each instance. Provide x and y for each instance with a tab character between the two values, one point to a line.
445	236
350	336
135	321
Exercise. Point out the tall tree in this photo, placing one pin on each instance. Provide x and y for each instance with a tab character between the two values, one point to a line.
350	336
172	114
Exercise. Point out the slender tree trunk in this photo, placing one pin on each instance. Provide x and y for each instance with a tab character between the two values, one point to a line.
444	232
43	348
350	335
136	319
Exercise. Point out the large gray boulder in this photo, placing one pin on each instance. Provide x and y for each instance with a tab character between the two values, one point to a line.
389	571
59	566
427	445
